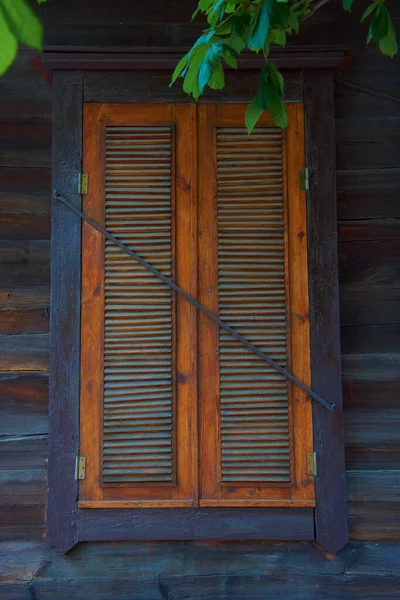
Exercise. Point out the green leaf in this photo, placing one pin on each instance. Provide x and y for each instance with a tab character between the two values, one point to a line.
369	10
347	4
23	23
236	43
179	68
388	44
253	113
266	95
216	13
293	21
279	14
266	91
213	53
276	78
279	113
230	58
380	24
259	27
217	79
8	45
203	6
190	83
277	36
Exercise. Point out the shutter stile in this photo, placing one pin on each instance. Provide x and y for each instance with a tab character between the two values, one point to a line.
138	336
254	420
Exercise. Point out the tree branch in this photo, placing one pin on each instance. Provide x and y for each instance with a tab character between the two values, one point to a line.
319	4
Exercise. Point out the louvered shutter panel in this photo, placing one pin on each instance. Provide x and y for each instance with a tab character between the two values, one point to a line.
138	338
255	441
256	427
138	396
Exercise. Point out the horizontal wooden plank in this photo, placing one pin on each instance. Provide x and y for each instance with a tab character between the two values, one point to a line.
25	92
25	204
28	297
25	216
372	426
356	103
368	181
370	367
21	180
364	339
26	320
374	521
203	524
369	230
27	453
367	395
24	263
25	562
21	522
23	403
24	228
354	203
367	143
373	486
24	352
366	70
235	587
122	87
373	457
25	144
379	306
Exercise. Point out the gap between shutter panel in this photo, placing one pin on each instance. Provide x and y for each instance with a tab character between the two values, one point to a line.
265	357
139	320
254	419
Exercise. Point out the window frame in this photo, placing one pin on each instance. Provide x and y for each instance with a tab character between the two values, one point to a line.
66	523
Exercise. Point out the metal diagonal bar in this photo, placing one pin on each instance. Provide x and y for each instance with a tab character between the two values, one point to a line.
194	302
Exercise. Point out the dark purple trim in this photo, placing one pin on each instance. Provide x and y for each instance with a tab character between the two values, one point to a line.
167	59
65	314
196	524
330	483
66	524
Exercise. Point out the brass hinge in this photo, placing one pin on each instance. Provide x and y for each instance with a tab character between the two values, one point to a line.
312	463
304	178
80	467
83	183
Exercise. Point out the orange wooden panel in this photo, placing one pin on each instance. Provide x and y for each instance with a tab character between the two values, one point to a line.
250	452
119	475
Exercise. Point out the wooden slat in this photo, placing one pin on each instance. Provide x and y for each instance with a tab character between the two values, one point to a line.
138	338
253	270
254	416
23	403
139	440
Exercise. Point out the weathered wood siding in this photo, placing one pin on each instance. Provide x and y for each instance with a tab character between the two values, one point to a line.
368	181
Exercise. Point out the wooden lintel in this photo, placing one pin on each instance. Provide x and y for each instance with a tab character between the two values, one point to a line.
166	59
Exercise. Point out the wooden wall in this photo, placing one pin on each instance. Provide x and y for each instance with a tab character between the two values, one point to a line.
368	181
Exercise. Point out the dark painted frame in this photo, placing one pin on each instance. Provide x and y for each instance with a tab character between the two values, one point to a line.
68	525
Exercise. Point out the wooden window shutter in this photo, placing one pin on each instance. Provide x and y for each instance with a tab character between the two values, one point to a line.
256	428
138	357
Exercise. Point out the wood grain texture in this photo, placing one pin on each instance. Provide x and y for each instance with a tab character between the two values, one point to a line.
202	524
369	284
113	441
65	314
330	485
24	352
23	403
224	570
141	88
232	217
